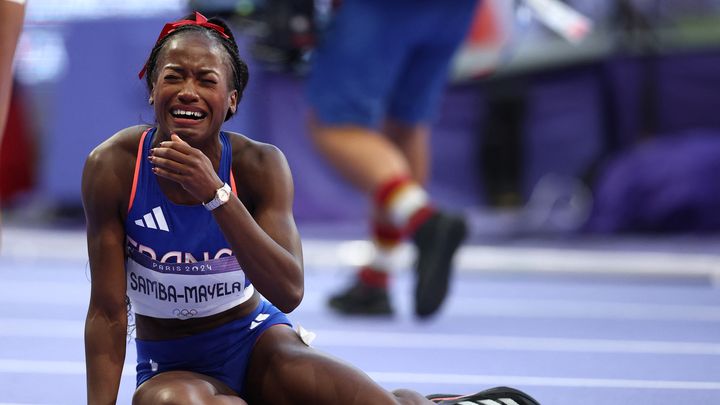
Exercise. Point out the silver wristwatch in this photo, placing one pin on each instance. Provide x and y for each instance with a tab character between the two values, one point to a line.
222	195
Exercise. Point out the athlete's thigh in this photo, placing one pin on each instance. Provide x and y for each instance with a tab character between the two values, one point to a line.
184	387
283	370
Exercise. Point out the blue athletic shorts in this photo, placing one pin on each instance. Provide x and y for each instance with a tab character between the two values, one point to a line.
386	59
222	353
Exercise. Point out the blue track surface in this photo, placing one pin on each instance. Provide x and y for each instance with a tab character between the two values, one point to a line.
568	340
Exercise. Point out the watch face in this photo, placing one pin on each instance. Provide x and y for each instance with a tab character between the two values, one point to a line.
223	195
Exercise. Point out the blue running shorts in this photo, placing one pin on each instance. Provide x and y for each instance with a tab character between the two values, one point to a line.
222	353
386	59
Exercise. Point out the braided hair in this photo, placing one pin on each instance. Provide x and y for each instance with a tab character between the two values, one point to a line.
240	73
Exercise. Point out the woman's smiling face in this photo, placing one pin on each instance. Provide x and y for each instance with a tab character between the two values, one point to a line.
192	89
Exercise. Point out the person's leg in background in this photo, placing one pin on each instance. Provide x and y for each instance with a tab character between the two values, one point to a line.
413	141
411	110
368	160
348	84
380	72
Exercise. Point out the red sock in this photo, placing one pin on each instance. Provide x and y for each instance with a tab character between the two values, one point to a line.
373	278
404	204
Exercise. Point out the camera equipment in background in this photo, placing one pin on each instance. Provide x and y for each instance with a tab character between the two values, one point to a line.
282	32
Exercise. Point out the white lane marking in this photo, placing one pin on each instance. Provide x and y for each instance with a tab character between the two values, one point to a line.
475	379
18	366
52	328
568	308
77	293
17	403
324	254
350	338
36	292
15	366
327	253
42	328
462	306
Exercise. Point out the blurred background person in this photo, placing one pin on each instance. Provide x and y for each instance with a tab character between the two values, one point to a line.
374	88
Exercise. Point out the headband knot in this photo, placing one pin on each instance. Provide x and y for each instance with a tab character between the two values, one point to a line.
200	20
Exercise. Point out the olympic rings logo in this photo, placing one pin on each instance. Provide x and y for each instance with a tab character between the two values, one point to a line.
185	313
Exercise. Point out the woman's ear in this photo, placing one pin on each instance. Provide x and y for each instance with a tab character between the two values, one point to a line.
233	101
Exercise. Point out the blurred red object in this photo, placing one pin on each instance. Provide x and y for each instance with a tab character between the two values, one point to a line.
17	154
484	30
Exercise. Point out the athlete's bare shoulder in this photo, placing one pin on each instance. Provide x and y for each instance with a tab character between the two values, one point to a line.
110	167
255	157
260	168
120	146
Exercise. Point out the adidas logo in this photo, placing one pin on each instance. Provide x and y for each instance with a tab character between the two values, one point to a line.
258	320
153	220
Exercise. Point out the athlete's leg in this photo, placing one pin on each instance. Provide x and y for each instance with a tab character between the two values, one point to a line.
363	156
413	142
375	164
185	388
402	207
354	85
283	370
412	106
347	88
413	101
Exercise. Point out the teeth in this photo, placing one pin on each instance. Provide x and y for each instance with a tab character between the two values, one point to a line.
193	114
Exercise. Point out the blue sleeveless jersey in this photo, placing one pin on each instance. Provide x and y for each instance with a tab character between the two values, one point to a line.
179	264
169	232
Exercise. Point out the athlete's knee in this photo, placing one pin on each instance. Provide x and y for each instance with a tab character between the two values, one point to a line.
167	394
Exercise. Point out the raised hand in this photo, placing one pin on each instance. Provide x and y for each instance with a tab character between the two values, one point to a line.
176	160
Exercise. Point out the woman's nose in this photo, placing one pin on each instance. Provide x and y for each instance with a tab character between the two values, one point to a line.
188	91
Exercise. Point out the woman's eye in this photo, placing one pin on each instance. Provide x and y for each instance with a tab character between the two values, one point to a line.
172	77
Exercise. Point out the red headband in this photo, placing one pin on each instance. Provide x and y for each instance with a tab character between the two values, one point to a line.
170	27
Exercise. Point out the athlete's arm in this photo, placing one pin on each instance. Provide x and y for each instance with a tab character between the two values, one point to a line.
106	322
266	242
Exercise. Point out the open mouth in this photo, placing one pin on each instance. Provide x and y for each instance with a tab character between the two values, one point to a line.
186	114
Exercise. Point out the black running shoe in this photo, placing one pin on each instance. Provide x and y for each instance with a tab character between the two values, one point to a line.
437	240
362	299
497	395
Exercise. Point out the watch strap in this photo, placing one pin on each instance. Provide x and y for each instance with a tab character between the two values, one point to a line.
217	201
